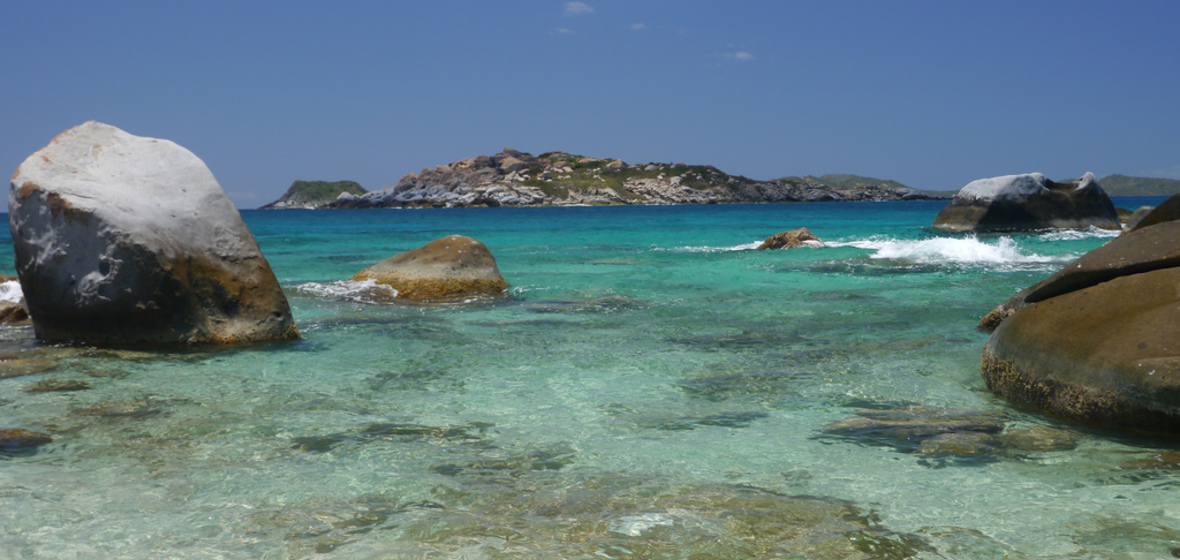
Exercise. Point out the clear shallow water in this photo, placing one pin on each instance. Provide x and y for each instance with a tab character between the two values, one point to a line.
653	388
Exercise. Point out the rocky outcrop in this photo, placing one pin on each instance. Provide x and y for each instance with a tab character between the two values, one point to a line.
514	178
1098	341
791	239
1028	202
121	239
313	195
447	268
1147	216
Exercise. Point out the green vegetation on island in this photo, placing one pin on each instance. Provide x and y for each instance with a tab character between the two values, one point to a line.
314	194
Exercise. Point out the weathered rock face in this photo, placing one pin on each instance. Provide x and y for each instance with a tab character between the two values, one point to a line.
447	268
1099	341
791	239
1028	202
121	239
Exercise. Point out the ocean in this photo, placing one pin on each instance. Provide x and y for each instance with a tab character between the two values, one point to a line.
651	387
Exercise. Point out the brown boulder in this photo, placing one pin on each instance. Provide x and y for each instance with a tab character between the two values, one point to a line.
791	239
1134	252
447	268
1098	342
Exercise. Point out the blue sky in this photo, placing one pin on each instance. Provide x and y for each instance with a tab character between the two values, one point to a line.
933	94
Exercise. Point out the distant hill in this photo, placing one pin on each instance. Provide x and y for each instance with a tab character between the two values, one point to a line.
1122	185
314	194
842	181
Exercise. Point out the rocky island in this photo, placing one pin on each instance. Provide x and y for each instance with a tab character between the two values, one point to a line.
514	178
311	195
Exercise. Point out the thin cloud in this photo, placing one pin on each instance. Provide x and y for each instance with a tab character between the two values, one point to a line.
740	55
577	9
564	31
638	26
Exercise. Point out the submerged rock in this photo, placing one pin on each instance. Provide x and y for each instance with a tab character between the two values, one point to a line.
18	441
57	386
936	431
1028	202
1099	341
123	239
588	517
447	268
791	239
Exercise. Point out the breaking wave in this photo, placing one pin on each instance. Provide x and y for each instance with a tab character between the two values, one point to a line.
954	250
11	292
365	291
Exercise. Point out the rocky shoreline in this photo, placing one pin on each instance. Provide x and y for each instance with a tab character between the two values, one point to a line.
514	178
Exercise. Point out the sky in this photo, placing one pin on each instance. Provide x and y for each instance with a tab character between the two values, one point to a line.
933	94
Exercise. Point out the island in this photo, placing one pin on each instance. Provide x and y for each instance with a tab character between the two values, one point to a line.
514	178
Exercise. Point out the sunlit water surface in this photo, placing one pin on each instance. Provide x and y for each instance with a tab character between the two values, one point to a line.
652	387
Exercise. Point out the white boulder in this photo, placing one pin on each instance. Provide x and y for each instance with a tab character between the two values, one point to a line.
122	239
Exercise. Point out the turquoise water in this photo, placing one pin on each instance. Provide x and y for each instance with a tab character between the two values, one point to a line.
652	388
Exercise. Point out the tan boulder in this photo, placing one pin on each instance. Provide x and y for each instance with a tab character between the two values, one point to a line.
791	239
452	267
1099	341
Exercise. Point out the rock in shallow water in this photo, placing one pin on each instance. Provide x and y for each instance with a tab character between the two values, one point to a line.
123	239
801	237
452	267
1028	202
1099	341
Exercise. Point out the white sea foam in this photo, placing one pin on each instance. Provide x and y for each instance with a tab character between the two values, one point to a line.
635	525
365	291
1076	234
11	292
957	250
742	247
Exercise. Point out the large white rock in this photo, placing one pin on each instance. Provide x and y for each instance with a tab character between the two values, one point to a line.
1007	185
124	239
1028	202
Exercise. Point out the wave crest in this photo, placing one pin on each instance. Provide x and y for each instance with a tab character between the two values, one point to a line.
957	250
11	292
365	291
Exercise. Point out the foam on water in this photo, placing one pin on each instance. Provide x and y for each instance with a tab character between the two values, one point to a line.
1078	234
957	250
365	291
709	249
11	292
